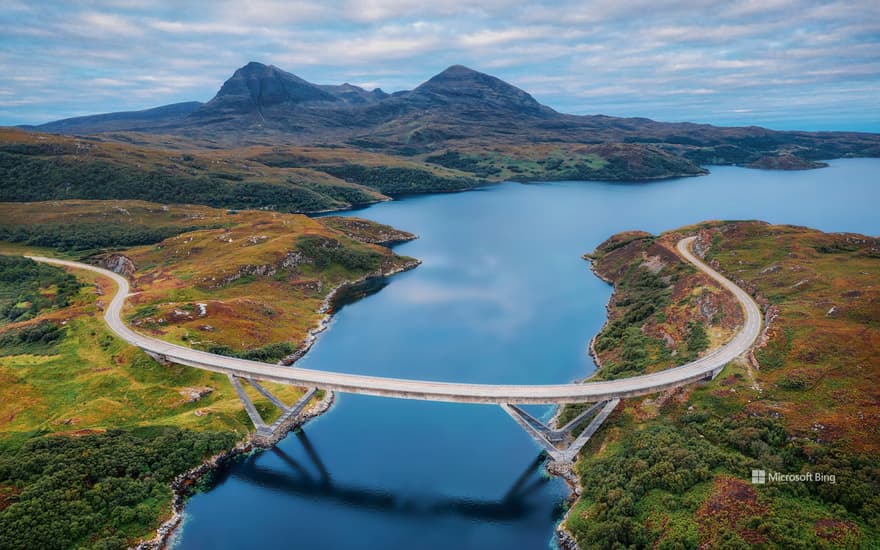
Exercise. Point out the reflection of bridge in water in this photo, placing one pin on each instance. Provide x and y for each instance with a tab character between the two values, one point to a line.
562	444
313	480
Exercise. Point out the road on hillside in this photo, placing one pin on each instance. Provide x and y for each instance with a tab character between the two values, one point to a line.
704	367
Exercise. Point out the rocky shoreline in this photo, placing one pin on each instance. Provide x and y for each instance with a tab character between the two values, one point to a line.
327	305
183	484
592	346
564	539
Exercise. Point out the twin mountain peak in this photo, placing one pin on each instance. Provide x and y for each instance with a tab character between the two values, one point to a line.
460	107
256	87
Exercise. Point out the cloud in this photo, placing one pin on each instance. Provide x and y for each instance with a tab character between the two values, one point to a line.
503	303
698	60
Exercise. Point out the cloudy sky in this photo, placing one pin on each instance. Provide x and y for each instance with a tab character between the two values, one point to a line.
778	63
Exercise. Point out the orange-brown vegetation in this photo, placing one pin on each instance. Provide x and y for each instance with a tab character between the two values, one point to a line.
245	285
729	507
805	401
821	357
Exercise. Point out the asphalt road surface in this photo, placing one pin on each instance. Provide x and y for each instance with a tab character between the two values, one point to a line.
700	369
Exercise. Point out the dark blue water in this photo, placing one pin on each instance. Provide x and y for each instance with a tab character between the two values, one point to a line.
502	296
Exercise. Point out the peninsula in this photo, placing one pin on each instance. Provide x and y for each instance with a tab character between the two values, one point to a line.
675	468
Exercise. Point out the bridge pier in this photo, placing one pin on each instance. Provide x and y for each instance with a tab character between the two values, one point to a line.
161	359
558	442
715	372
287	413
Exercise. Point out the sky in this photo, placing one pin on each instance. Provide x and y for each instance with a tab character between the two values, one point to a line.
777	63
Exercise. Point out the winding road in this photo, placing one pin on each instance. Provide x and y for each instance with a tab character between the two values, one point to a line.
704	367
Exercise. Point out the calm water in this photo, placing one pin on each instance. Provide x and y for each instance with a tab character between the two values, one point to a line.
502	296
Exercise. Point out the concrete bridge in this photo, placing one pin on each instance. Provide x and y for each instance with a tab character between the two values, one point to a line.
558	442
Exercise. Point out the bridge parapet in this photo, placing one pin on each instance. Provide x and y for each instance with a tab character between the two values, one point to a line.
603	391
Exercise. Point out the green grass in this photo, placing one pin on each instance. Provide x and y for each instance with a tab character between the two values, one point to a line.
79	390
63	374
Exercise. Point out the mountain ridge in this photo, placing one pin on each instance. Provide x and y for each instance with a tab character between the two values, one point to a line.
152	116
458	109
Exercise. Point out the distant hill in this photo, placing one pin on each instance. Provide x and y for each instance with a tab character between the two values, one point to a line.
461	125
459	109
157	118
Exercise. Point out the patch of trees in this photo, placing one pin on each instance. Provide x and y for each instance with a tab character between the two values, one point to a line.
629	165
28	287
96	491
36	178
836	248
35	339
325	252
342	193
88	236
641	294
672	459
721	154
457	161
270	353
397	180
697	339
659	458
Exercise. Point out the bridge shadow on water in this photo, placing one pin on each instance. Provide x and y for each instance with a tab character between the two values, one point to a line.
313	480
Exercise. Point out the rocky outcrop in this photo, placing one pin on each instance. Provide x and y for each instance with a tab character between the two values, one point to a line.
327	304
367	231
193	394
771	313
117	263
290	260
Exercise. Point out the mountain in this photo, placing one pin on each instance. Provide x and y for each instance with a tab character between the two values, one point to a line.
262	100
258	92
461	86
459	109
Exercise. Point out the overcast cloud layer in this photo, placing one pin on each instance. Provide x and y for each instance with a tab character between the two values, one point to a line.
777	63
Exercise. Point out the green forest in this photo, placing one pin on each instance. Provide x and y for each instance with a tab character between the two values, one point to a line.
36	178
397	180
94	491
89	236
28	287
667	467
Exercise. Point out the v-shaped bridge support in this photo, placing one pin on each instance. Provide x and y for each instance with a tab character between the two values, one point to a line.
263	429
558	442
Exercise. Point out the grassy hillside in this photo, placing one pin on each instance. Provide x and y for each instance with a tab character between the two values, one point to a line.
664	312
315	175
565	161
40	167
673	470
260	281
284	178
70	388
77	226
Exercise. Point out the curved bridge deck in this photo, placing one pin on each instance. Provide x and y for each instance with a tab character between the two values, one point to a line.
596	391
444	391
